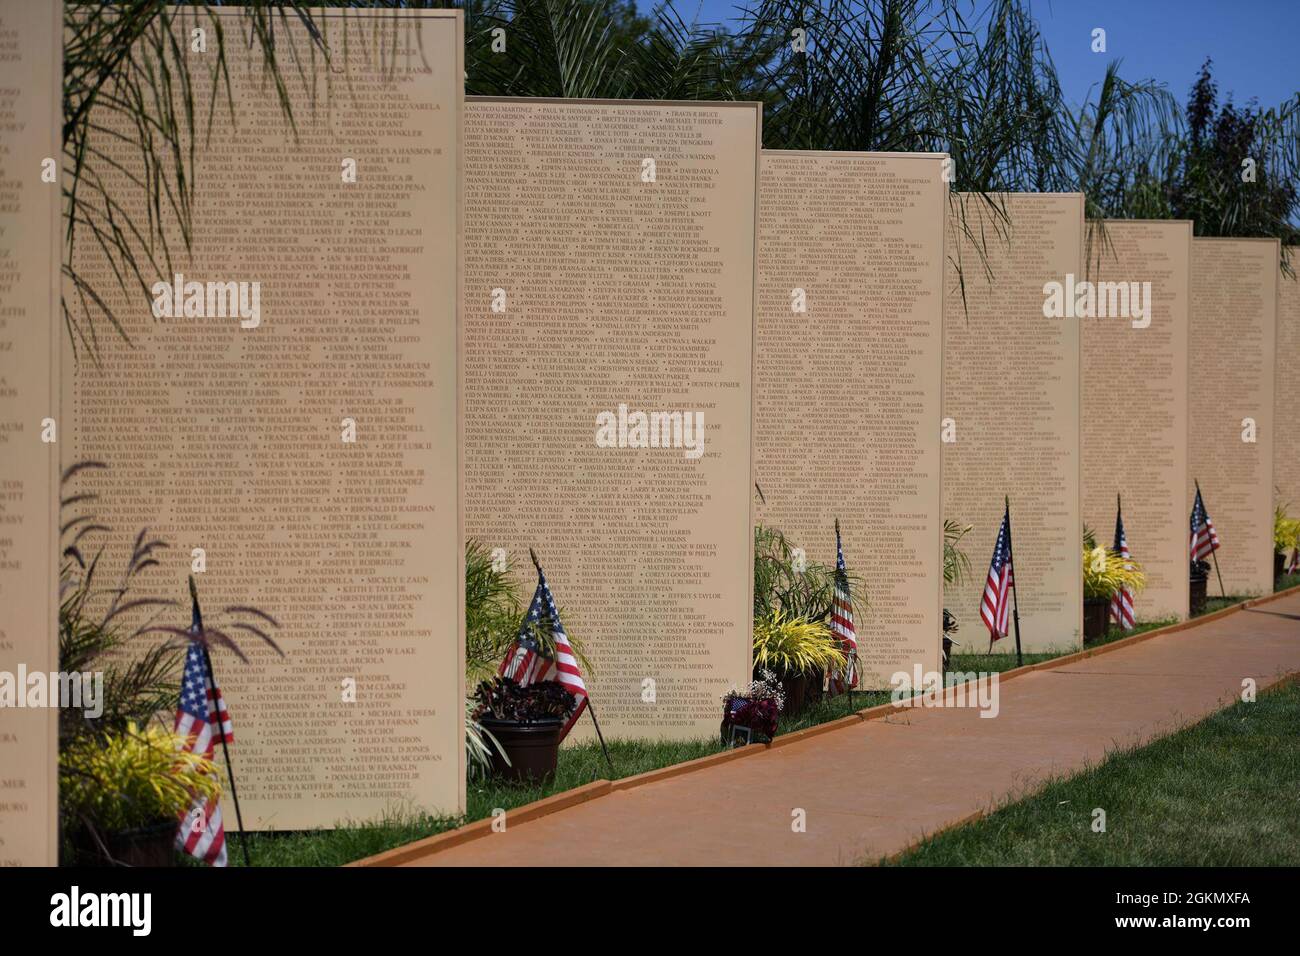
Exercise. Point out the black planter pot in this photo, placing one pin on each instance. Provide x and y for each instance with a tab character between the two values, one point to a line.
1197	581
533	748
813	689
1096	619
795	688
1279	565
150	846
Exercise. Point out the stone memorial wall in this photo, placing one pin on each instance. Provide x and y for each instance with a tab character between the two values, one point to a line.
1011	409
30	117
1230	404
286	414
850	354
1135	402
608	304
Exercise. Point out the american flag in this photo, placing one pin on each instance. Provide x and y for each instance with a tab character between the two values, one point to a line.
995	609
203	720
1121	605
1204	540
842	625
526	661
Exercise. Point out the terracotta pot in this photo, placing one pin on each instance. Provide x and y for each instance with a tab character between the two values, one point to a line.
533	748
150	846
1096	618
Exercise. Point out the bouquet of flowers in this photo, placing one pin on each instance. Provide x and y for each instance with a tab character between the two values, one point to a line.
753	711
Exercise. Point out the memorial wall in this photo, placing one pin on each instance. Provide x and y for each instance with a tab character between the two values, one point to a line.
847	382
608	304
1230	404
1011	409
30	117
1135	402
288	405
1286	389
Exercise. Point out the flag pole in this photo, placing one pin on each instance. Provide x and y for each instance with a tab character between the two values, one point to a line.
848	664
1214	553
1015	603
225	748
590	709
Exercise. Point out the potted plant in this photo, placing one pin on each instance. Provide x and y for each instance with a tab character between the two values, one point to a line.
1286	537
525	723
122	795
786	583
493	611
750	716
955	568
793	648
119	783
1105	574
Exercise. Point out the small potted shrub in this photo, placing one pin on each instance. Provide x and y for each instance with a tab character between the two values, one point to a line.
1286	536
122	795
525	724
1105	574
793	648
750	715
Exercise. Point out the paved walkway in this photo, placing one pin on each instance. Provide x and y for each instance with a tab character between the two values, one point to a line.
875	787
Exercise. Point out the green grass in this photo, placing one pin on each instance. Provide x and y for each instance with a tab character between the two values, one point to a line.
1224	792
581	765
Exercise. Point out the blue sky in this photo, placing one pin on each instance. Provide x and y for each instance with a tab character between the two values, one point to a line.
1255	44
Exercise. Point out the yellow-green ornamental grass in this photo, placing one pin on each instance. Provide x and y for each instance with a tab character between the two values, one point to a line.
1105	573
134	779
1286	531
794	645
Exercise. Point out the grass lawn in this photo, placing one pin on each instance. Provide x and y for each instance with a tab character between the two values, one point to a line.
1224	792
581	765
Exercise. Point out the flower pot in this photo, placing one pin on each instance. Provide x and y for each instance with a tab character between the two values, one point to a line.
151	846
795	687
1279	565
1096	618
1198	582
533	748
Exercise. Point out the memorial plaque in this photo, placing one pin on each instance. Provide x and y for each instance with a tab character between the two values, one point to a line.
846	387
608	301
1286	445
1011	409
310	449
30	115
1230	406
1135	402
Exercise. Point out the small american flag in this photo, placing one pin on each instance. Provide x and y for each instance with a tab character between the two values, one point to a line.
842	625
526	661
1121	605
995	609
1204	540
203	720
